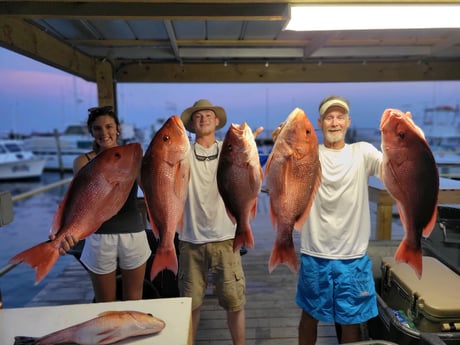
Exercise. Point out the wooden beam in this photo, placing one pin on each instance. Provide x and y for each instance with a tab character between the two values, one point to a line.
27	39
292	72
144	10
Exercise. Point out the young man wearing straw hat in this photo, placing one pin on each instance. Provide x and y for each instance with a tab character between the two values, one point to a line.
206	241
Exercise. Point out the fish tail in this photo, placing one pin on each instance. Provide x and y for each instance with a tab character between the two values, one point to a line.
243	238
413	257
283	253
165	258
41	257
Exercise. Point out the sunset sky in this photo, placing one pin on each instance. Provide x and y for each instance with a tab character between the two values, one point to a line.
36	97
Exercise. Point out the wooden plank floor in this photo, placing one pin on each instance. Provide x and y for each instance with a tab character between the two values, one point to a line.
271	313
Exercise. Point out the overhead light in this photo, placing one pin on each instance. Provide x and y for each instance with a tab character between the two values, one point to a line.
373	16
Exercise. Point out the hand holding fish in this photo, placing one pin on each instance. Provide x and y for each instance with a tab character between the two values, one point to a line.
95	195
67	243
277	131
257	132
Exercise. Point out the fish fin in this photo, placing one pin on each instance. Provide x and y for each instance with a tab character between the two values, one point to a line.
243	238
430	226
253	211
57	219
155	230
411	256
41	257
301	221
283	254
273	215
165	258
180	224
230	215
268	163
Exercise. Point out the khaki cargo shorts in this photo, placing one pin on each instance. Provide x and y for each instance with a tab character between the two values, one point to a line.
195	261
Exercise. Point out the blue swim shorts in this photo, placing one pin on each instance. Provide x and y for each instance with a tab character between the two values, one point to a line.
341	291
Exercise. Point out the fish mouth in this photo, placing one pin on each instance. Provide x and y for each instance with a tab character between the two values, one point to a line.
387	116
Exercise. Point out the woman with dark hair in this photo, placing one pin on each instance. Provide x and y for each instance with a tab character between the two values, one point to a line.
121	241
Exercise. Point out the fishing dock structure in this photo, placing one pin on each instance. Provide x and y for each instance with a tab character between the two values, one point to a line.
272	317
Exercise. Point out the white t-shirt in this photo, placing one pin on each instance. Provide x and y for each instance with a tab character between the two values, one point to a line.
205	217
339	225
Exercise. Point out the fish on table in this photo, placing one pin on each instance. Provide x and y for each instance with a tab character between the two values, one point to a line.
239	180
293	175
410	175
165	174
107	328
96	193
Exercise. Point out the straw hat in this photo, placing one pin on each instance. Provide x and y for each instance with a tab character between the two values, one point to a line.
203	104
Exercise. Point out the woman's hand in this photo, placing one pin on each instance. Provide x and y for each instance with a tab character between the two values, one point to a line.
68	242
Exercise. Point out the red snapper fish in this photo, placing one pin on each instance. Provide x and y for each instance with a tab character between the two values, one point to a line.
410	174
96	193
165	175
107	328
239	179
293	174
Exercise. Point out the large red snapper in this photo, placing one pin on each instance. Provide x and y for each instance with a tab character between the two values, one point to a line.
410	174
107	328
239	179
165	175
293	174
96	193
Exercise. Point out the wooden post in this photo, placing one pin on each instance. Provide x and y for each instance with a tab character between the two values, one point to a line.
59	153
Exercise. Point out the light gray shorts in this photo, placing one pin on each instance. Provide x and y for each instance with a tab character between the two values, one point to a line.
101	251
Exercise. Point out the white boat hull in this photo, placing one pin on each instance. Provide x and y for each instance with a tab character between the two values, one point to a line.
22	169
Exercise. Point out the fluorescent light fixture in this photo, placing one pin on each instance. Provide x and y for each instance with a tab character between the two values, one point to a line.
373	16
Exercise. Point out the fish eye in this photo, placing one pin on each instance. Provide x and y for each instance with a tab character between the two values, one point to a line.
230	147
308	131
402	135
166	138
117	155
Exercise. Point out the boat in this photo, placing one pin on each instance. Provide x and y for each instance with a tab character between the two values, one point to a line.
441	125
61	149
16	163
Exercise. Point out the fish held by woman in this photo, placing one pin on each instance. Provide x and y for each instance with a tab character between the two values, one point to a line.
107	328
293	174
165	174
239	179
96	193
410	174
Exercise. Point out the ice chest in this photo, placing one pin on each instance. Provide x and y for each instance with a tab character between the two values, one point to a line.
432	303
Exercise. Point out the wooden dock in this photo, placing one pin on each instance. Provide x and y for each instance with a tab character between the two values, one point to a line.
272	316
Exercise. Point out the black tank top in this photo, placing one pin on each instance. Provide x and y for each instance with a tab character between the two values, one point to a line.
128	219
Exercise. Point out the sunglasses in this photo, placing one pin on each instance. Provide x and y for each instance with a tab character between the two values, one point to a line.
206	158
96	111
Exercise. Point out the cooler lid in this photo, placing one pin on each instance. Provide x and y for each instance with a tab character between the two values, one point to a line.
438	290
